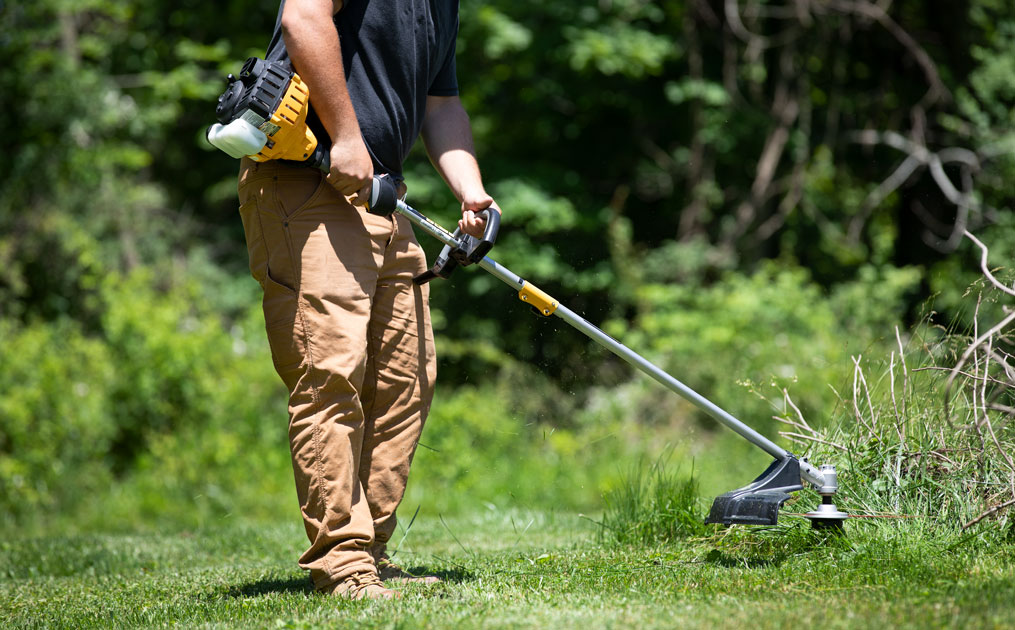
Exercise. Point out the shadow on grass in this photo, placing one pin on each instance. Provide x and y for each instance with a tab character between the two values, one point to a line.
451	576
296	585
271	585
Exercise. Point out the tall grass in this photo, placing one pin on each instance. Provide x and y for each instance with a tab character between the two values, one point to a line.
923	437
920	435
652	506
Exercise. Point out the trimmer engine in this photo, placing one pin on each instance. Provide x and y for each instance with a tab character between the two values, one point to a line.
263	115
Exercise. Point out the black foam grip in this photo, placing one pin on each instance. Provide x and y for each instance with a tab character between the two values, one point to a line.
320	158
383	196
481	247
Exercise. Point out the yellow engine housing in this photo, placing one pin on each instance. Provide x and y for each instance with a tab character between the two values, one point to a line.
290	137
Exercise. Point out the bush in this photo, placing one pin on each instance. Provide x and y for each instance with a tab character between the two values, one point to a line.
167	413
481	445
55	425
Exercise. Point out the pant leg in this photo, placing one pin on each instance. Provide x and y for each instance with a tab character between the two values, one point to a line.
318	260
401	371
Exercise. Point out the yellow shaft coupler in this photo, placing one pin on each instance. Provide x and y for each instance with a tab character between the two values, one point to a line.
538	298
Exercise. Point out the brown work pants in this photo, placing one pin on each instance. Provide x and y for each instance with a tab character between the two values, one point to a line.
350	336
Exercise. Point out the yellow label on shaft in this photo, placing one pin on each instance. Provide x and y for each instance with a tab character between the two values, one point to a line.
538	298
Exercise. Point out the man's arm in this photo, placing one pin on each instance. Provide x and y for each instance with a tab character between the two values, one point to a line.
312	41
448	140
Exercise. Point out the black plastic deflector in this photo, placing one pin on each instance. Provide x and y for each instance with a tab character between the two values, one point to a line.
758	503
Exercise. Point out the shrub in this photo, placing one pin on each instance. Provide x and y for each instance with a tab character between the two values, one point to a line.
55	425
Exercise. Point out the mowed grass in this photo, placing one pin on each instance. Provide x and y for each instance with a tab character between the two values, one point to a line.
517	570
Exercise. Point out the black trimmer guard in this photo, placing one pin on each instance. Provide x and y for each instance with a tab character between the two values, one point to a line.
758	503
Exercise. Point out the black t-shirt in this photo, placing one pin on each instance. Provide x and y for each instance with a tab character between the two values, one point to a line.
395	54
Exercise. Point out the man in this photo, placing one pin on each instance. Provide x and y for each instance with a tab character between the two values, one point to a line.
349	331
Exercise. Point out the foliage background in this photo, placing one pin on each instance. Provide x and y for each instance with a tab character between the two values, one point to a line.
750	193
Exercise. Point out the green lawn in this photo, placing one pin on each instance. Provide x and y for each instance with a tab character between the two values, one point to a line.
517	569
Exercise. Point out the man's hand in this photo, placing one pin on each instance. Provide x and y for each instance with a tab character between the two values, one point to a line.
470	223
352	170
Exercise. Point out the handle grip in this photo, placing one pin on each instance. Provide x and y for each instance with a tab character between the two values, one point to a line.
320	158
383	194
477	248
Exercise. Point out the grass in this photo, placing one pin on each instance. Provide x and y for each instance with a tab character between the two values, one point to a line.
646	562
653	503
518	570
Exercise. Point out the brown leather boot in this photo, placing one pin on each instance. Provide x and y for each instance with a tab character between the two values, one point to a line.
363	585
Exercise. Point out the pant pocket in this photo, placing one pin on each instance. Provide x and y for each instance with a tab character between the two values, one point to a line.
296	191
256	250
286	335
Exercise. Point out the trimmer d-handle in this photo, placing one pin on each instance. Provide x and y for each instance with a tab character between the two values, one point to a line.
460	249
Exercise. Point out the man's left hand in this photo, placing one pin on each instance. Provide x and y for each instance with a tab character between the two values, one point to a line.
471	223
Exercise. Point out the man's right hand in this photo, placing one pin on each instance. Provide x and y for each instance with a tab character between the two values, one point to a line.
352	170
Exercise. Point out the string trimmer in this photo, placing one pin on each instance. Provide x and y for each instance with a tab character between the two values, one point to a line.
263	114
757	503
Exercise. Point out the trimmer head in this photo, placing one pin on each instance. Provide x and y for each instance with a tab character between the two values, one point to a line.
758	503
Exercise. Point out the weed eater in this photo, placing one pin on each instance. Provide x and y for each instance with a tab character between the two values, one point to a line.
262	115
757	503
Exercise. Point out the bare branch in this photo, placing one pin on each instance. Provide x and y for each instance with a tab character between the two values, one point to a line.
937	228
991	511
802	423
1009	371
969	351
1002	408
898	141
803	439
898	177
803	11
962	216
983	265
786	206
785	109
859	378
732	8
937	171
918	156
705	12
899	422
905	371
972	377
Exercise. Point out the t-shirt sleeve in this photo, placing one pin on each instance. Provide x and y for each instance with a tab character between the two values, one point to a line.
445	82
